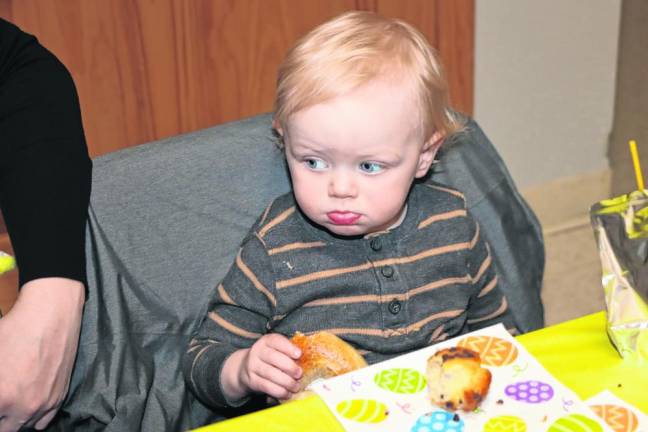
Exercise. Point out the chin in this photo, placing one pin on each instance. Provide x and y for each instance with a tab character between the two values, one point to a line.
346	230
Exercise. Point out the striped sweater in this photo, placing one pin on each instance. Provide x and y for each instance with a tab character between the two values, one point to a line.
426	280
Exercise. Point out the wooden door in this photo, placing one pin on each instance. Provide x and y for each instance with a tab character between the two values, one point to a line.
149	69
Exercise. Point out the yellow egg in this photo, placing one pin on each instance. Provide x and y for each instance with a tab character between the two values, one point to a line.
363	410
505	423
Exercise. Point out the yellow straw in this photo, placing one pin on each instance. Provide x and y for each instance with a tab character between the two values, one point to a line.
637	166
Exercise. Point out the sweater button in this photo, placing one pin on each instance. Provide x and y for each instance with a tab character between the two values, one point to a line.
394	307
387	271
375	244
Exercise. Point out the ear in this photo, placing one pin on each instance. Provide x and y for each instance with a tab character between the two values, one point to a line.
277	127
429	150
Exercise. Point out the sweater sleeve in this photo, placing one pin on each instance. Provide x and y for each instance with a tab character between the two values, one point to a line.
239	312
487	305
45	170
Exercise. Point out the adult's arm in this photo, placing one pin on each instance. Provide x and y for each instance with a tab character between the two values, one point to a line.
45	175
45	169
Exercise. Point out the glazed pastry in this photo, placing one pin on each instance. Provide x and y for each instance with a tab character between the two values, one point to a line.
456	379
324	355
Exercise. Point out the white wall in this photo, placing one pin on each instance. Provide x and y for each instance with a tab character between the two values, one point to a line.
544	83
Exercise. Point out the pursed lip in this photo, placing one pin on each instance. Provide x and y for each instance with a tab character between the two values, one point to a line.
343	217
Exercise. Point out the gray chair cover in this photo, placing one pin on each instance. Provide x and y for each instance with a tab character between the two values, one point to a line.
166	220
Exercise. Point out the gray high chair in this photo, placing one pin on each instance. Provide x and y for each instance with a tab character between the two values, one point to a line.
166	220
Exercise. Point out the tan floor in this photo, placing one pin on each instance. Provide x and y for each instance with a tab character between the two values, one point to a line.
572	283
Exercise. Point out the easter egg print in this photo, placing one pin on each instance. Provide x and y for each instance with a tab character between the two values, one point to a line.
505	423
575	423
532	392
619	418
400	380
493	351
362	410
438	421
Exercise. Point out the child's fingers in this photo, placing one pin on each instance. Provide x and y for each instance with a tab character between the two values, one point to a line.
281	362
282	355
278	377
272	389
282	344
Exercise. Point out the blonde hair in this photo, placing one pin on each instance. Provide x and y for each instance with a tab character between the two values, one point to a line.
354	49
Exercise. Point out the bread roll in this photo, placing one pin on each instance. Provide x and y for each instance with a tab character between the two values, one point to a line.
324	355
456	379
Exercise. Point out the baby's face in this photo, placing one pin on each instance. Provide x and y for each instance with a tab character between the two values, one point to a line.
352	159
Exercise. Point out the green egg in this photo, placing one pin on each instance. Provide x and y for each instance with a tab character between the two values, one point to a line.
401	380
575	423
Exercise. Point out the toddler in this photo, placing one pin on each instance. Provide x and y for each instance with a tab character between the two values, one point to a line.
359	248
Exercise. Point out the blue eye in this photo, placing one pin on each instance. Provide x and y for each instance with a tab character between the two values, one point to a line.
315	164
371	167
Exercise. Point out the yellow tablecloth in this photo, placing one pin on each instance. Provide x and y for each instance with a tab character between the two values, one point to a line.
578	353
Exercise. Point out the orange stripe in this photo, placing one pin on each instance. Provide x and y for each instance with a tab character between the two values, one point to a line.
265	214
350	299
251	276
193	348
442	216
447	314
475	239
276	221
193	364
360	331
488	288
482	268
393	332
390	261
293	246
372	298
321	275
194	344
438	284
450	191
232	328
226	298
498	312
436	333
441	338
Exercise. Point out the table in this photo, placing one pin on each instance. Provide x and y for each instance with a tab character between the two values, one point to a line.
578	353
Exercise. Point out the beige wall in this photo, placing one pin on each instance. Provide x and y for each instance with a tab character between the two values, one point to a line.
631	106
545	84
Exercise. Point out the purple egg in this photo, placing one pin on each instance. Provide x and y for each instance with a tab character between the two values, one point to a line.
532	392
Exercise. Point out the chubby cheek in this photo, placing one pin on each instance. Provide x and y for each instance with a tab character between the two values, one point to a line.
387	202
308	192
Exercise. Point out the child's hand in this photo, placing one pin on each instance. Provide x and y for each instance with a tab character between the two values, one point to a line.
269	367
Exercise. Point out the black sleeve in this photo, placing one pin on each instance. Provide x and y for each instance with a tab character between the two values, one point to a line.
45	170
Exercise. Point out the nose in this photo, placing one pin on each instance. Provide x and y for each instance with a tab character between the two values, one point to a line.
342	185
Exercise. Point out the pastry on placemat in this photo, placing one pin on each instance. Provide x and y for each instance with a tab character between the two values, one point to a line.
324	355
456	379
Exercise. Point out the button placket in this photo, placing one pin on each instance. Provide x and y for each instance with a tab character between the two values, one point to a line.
390	285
